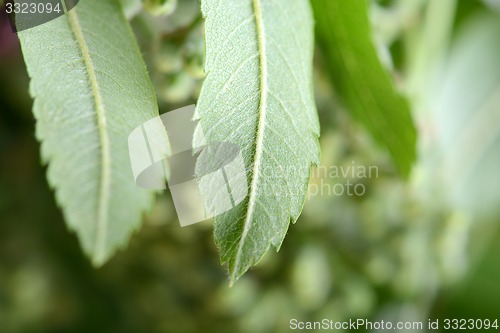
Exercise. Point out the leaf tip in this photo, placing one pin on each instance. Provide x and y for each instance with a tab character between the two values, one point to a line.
99	259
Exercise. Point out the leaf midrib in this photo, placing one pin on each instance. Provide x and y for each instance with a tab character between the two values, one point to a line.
259	142
105	181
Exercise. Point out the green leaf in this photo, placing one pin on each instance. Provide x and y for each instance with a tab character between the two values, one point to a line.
344	33
258	94
464	133
90	89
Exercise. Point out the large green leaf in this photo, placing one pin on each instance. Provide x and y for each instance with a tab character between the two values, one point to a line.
345	36
258	95
90	89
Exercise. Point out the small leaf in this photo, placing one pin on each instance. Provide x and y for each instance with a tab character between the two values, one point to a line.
344	33
258	95
91	89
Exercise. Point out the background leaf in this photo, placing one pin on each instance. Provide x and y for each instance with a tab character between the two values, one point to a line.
344	33
91	88
465	136
258	95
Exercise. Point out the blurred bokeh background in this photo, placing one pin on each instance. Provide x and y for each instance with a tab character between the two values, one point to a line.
405	250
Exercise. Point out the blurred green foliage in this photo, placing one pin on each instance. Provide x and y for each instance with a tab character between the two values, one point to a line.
402	251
